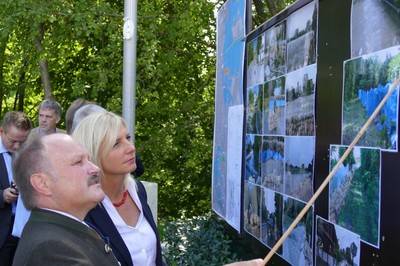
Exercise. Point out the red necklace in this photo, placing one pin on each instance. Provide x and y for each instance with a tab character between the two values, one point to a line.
123	199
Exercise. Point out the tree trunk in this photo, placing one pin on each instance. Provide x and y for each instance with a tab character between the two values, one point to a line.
44	70
3	45
261	16
266	9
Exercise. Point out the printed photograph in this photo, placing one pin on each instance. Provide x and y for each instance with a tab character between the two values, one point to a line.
335	245
354	191
300	99
271	218
297	247
299	167
254	110
251	209
367	80
274	107
374	26
301	36
255	61
272	162
253	165
275	51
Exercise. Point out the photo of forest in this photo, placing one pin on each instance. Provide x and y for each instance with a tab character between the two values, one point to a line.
300	98
275	51
367	80
335	245
354	192
274	107
301	38
255	61
254	110
253	151
272	162
297	248
251	209
299	167
271	218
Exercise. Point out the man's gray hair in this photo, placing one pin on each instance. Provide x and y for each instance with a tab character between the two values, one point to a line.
52	105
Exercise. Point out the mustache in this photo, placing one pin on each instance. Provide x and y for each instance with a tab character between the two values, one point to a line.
94	179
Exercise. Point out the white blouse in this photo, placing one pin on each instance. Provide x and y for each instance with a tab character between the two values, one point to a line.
141	239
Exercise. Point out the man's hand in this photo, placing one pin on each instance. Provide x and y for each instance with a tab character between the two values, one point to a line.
10	195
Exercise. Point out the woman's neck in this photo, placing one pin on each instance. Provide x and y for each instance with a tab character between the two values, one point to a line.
114	187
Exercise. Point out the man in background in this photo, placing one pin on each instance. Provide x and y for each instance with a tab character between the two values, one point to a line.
14	131
49	116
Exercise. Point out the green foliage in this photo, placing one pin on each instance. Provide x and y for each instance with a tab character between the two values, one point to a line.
195	241
82	44
262	10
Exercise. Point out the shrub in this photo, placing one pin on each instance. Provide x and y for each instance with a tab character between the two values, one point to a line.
199	240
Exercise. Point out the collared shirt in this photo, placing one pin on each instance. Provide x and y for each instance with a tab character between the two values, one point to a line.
8	162
21	218
140	240
44	133
65	214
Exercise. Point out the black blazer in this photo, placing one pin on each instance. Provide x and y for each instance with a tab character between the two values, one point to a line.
99	217
5	208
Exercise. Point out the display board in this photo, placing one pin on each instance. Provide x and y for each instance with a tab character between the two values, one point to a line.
312	76
228	135
280	133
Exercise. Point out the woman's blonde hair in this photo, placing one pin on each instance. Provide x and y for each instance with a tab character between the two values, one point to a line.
97	133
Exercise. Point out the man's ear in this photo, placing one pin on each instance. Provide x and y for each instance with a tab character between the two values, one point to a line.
58	119
40	183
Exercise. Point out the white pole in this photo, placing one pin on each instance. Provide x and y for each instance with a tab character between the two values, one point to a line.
129	66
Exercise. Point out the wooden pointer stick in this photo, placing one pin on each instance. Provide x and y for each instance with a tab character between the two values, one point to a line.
329	177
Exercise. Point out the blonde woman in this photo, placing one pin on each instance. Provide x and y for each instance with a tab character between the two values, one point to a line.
124	215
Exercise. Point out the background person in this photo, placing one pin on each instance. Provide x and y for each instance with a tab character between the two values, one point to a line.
13	132
69	115
60	185
49	116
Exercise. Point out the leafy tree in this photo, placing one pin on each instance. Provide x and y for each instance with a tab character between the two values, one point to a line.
265	9
71	49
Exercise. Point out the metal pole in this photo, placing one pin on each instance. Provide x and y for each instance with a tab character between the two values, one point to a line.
129	66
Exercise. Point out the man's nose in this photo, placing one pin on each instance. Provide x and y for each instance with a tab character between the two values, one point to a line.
16	145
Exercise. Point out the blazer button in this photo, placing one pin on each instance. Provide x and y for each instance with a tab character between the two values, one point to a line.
107	248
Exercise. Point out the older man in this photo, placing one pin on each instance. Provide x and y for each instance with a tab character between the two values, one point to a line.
49	116
13	132
60	185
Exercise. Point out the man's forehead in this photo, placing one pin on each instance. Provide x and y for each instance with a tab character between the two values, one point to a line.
15	132
66	149
47	110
